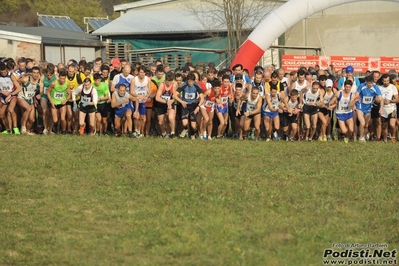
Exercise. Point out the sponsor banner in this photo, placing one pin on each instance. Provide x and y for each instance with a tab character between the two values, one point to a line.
360	63
293	62
388	63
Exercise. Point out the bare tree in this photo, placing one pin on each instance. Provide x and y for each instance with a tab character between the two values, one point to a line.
232	18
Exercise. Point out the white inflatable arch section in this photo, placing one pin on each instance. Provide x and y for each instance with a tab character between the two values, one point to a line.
276	23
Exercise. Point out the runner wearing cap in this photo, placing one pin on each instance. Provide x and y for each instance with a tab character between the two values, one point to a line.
325	111
349	76
117	68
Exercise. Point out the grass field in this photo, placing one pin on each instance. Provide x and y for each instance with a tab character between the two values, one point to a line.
70	200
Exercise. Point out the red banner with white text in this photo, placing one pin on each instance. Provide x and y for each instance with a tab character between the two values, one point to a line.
360	63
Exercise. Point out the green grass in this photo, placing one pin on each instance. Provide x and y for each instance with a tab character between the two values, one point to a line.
107	201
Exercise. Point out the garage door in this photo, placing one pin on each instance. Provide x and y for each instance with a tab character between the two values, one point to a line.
63	54
53	54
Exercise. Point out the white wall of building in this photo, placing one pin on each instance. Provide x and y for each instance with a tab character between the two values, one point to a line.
358	29
19	45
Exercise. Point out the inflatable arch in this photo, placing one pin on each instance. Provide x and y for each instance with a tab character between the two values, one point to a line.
263	35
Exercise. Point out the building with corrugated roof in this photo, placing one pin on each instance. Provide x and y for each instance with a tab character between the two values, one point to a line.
170	31
49	44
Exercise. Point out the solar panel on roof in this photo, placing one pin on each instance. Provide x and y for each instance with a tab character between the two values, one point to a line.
60	23
96	24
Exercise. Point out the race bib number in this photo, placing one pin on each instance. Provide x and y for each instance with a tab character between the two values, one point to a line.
250	107
310	100
190	96
6	88
45	89
85	99
30	94
141	93
209	104
367	99
344	108
59	95
165	97
225	100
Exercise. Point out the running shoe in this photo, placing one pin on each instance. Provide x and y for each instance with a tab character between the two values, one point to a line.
16	131
82	130
183	133
275	136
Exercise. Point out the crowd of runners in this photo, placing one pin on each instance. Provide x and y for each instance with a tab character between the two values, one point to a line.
123	99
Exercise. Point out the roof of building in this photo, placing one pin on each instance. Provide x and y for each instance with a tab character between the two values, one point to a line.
21	37
138	4
161	21
146	22
52	36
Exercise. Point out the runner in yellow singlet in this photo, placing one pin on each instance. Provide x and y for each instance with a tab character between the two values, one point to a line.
74	79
